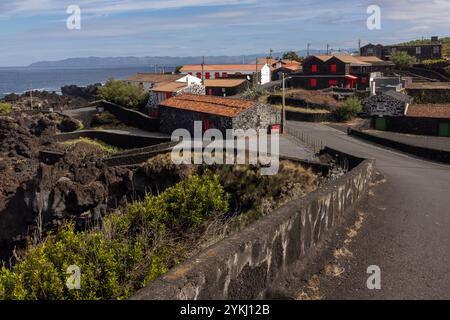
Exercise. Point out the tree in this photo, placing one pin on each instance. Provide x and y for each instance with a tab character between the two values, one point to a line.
292	55
402	59
178	69
124	94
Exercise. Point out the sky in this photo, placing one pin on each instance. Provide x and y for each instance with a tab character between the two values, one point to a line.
36	30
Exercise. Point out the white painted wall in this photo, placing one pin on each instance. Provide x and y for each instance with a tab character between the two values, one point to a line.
266	74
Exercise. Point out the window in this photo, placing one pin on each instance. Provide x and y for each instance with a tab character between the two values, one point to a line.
363	80
154	114
210	92
313	83
436	50
418	50
224	75
369	50
217	75
333	68
199	75
314	68
333	82
207	75
206	123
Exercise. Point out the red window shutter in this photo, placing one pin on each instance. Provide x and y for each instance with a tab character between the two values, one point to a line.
313	83
207	75
210	92
224	75
314	68
217	75
206	123
333	68
199	75
332	82
363	80
154	114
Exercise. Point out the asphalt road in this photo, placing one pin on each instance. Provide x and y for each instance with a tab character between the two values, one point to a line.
406	228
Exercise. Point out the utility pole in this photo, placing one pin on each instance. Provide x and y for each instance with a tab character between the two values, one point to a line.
283	110
203	69
256	74
359	46
307	49
328	49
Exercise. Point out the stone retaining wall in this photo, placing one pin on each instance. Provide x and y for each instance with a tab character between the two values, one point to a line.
247	264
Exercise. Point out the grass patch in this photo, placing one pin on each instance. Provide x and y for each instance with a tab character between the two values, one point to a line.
107	149
302	110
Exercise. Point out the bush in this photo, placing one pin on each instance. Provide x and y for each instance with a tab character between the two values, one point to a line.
122	255
435	62
254	93
124	94
349	109
402	59
5	108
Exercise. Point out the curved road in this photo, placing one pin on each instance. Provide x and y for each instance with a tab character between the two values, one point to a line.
406	231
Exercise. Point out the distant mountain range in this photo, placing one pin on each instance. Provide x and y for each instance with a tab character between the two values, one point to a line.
112	62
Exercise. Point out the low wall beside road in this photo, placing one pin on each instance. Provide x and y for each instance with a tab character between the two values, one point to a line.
247	264
426	153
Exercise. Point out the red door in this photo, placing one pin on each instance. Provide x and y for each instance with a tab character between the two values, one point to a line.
206	123
210	92
313	83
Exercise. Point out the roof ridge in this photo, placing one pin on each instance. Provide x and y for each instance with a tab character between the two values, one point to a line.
211	101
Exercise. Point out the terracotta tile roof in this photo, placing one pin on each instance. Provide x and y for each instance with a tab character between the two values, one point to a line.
208	104
429	85
224	83
169	87
221	67
374	60
154	77
429	111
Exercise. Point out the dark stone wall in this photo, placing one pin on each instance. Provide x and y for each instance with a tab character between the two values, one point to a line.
172	119
308	117
245	265
130	117
429	95
123	141
296	102
413	125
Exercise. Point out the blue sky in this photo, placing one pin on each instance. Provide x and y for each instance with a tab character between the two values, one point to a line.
34	30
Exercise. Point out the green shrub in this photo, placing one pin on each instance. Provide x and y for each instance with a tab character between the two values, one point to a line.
5	108
349	109
434	62
122	255
253	93
124	94
402	59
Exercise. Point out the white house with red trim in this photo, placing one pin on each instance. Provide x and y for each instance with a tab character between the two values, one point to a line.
234	71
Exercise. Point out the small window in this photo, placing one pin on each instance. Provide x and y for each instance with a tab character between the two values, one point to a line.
314	68
333	68
217	75
199	75
436	50
224	75
313	83
333	82
207	75
418	50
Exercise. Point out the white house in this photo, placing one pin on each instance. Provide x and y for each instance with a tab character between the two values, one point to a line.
236	71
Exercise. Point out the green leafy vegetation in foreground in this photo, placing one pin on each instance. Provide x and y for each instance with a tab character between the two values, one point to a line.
124	254
348	110
107	149
124	94
5	108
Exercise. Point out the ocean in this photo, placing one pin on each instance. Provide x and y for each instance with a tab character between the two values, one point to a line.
19	80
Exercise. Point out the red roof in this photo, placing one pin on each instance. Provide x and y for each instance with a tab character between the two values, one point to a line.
221	67
208	104
429	111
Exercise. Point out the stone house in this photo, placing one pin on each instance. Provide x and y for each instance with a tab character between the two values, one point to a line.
215	113
387	104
